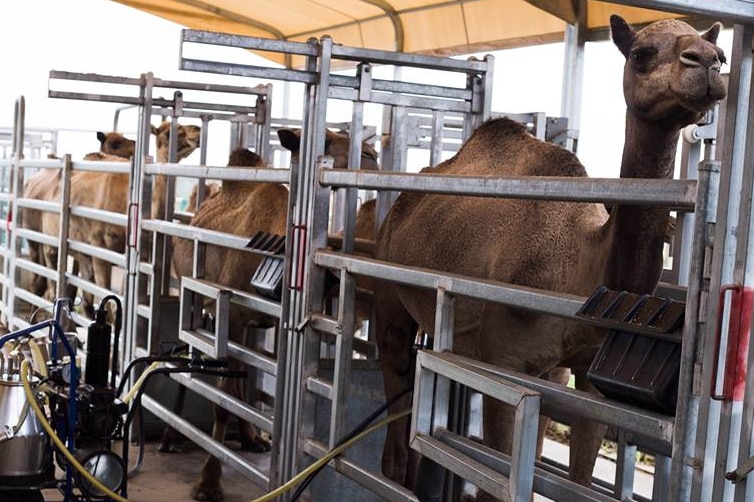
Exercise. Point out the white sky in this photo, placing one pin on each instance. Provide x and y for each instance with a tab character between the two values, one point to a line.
104	37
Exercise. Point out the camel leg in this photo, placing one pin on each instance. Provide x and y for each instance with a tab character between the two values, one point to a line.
38	282
172	440
586	438
251	439
395	337
208	486
556	375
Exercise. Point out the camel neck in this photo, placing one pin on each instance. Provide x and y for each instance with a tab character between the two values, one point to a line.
159	186
637	233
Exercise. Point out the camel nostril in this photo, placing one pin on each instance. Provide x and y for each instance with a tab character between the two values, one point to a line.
691	58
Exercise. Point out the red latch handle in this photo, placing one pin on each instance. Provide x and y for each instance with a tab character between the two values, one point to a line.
300	232
734	333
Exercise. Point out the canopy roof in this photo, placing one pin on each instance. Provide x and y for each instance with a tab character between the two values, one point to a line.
440	27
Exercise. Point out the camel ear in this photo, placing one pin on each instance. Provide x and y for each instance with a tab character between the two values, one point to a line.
711	34
290	139
101	136
155	131
623	34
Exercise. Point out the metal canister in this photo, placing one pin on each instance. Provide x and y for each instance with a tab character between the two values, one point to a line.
24	445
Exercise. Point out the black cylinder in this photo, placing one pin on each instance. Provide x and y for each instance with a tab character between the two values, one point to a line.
97	351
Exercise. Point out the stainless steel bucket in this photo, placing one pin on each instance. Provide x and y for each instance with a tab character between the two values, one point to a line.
23	452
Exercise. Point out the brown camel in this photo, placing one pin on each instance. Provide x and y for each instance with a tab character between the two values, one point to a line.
109	192
46	182
245	208
671	79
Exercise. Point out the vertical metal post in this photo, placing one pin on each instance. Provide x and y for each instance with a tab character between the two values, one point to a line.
135	287
17	188
573	73
727	267
65	203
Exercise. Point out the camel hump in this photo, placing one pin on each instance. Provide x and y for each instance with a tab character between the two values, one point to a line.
501	125
244	157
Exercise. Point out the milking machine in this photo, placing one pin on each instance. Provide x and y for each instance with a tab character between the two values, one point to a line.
58	423
53	416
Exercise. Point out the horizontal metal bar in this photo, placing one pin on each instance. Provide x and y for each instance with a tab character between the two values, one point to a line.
102	215
40	205
42	163
477	473
28	297
241	409
383	98
376	483
258	90
198	234
36	268
408	59
103	166
39	237
392	86
246	42
251	174
91	287
204	340
320	387
675	194
117	259
240	297
93	77
196	435
482	381
581	404
239	70
741	11
546	483
104	98
325	324
562	305
532	299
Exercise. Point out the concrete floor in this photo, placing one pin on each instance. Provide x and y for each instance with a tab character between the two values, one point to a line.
167	477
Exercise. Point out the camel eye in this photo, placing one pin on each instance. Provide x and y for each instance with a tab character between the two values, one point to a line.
642	55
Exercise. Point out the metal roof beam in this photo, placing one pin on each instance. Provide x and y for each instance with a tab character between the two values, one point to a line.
739	11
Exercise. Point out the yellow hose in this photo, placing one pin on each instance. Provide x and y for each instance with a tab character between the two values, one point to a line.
131	393
25	367
327	457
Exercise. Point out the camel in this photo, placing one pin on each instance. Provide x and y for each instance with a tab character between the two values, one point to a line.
45	182
109	191
245	208
671	78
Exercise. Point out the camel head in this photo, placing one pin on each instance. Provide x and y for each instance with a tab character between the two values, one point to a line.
188	140
672	73
114	143
336	146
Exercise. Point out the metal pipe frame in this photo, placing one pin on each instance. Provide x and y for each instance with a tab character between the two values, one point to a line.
427	420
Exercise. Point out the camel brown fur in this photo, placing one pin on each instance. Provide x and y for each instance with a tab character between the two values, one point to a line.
245	208
45	184
671	79
109	192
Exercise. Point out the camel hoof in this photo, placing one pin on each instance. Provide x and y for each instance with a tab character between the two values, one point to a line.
168	446
209	491
256	445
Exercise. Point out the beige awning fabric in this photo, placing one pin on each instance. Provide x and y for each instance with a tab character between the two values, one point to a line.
439	27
